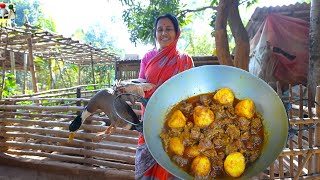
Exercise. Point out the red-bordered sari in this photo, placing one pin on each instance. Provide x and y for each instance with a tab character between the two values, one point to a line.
165	64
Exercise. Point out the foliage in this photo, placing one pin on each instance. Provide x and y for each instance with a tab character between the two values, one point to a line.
197	45
31	8
99	37
140	17
10	86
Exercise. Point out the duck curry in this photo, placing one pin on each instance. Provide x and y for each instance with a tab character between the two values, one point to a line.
213	135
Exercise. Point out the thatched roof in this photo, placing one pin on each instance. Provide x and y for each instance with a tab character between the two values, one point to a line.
48	45
298	10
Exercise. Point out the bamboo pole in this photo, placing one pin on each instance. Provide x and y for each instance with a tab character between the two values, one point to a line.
78	96
79	74
281	167
317	131
13	63
67	73
51	85
56	90
61	74
310	131
301	166
296	151
67	158
3	77
76	143
65	125
120	157
291	141
108	76
49	99
62	117
41	108
2	137
92	68
271	172
31	65
25	71
300	125
78	135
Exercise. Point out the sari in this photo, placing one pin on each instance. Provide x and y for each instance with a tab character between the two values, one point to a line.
160	67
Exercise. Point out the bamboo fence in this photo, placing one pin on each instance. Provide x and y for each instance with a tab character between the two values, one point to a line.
29	129
37	126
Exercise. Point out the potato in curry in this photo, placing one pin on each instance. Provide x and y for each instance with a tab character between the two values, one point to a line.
213	135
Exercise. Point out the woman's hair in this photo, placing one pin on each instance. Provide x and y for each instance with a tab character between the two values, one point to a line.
172	18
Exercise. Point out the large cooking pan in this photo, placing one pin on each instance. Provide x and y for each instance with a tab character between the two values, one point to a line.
209	78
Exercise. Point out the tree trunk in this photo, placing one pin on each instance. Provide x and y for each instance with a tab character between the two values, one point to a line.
314	50
221	36
242	49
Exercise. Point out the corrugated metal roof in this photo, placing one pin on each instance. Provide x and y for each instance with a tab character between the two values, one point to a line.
298	10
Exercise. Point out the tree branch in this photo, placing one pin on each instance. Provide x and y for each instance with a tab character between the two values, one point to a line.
199	9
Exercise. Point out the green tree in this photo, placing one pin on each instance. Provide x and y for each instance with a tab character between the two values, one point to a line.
140	17
31	8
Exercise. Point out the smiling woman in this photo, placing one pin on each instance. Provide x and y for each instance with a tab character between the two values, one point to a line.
157	66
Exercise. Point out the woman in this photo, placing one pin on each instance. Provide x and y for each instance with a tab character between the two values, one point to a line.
157	66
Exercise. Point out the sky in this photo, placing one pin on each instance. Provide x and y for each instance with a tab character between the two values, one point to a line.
70	15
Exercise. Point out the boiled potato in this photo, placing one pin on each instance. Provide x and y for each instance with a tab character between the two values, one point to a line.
177	120
202	116
191	151
176	146
201	166
245	108
224	96
235	164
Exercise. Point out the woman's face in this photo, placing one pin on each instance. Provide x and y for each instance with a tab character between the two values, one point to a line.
165	32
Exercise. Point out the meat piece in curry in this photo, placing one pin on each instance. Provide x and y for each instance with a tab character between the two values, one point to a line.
205	133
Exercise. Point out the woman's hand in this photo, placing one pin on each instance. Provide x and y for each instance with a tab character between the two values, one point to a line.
139	88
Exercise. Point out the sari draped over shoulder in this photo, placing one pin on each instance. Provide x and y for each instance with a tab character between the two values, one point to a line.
165	64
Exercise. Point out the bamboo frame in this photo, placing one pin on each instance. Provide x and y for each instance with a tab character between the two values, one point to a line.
120	157
65	134
67	169
93	128
130	148
67	158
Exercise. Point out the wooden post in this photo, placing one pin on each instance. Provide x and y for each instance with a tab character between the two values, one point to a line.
92	68
3	64
317	132
3	139
31	65
78	102
116	71
108	76
61	75
13	63
25	62
51	85
79	74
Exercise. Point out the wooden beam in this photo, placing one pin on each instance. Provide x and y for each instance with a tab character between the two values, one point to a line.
32	66
92	68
